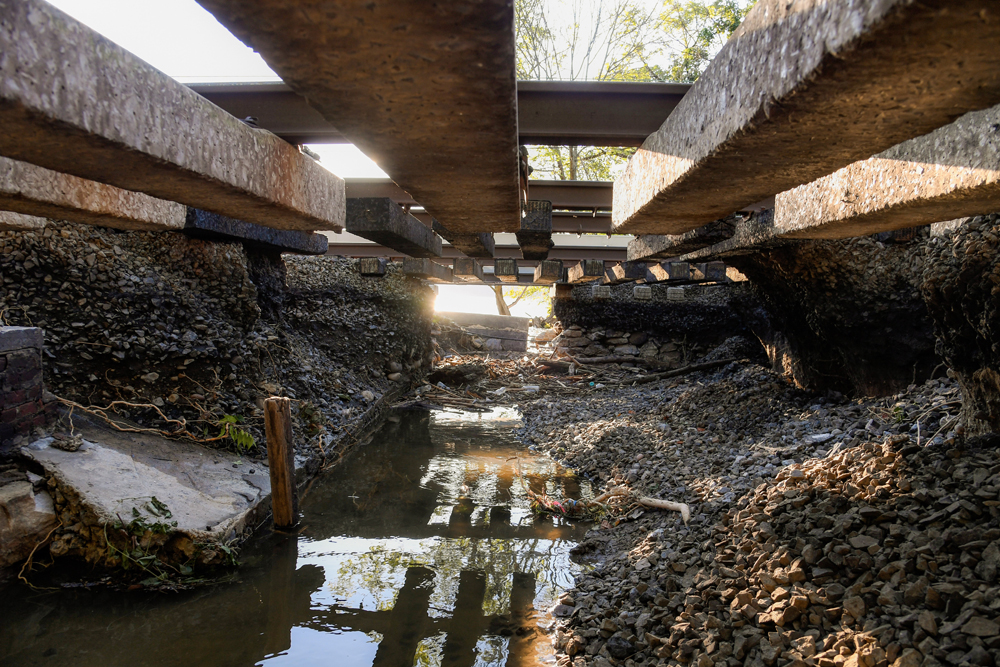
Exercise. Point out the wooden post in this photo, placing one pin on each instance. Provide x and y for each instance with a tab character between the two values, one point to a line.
281	459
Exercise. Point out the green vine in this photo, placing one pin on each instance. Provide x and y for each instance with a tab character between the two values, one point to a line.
241	437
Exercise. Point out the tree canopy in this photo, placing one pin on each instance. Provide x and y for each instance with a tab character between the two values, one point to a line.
615	40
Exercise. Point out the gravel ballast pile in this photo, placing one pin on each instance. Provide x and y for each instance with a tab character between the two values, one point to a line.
821	532
202	329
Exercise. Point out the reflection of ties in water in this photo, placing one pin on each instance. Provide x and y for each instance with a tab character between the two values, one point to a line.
408	621
288	595
467	622
519	624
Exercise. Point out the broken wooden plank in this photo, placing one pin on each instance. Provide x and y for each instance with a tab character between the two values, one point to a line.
663	272
383	221
585	271
428	92
715	272
802	89
373	267
561	291
214	227
535	235
624	272
74	102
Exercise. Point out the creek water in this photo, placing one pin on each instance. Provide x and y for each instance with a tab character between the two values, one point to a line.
419	548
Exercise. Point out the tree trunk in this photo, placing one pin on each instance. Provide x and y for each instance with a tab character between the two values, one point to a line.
502	308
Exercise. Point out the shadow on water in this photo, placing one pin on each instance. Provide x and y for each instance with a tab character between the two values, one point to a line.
418	549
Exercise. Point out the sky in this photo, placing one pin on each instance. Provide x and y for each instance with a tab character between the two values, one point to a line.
184	41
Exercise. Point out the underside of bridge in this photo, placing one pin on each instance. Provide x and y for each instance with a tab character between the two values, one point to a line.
782	314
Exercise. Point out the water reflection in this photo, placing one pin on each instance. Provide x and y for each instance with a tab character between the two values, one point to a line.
419	549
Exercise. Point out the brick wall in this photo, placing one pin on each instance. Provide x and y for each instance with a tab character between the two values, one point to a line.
21	406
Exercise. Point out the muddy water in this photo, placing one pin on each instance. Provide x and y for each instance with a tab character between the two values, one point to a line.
418	549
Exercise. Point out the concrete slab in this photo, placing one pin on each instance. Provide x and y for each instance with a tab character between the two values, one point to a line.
468	270
801	89
517	326
373	267
18	222
210	493
214	227
427	269
535	235
674	245
506	270
427	91
585	271
20	338
74	102
478	245
624	272
952	172
36	191
383	221
548	271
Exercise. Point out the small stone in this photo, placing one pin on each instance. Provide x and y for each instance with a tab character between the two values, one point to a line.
862	541
909	658
981	627
927	621
619	647
855	606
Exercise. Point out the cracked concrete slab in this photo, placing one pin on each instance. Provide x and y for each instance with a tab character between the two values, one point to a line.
212	494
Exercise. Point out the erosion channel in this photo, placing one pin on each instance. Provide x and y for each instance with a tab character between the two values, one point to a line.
419	548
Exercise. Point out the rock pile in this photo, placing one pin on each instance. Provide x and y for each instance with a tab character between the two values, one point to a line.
577	341
204	329
821	532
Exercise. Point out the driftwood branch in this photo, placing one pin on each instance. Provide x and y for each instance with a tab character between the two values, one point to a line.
708	365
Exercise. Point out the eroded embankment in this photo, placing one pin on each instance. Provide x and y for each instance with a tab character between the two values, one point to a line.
183	337
824	531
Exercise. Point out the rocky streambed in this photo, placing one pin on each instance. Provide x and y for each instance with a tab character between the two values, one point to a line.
824	531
